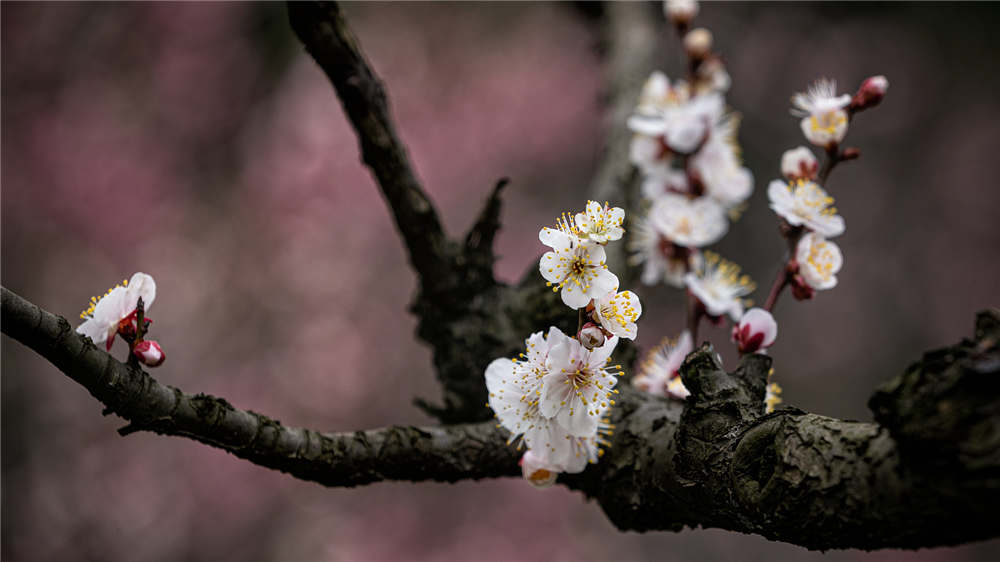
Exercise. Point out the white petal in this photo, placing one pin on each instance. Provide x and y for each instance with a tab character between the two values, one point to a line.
552	268
555	239
93	330
649	125
599	355
141	285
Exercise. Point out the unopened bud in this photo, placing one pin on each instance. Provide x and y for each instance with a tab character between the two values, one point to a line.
870	93
799	163
800	289
756	331
536	471
680	12
591	336
149	353
698	43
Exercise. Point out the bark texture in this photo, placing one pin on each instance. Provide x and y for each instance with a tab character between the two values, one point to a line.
927	474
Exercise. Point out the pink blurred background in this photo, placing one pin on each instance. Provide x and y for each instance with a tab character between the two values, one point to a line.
198	143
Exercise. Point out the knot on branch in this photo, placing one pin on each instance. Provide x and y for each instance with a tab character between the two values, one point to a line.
944	411
720	400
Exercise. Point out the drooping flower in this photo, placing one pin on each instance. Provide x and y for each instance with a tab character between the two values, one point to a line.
799	164
537	469
658	372
805	203
717	165
824	120
115	311
819	261
577	388
515	388
718	285
149	353
576	267
756	331
617	313
683	126
688	222
600	223
662	260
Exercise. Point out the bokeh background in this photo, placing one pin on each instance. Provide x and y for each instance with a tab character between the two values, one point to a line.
198	143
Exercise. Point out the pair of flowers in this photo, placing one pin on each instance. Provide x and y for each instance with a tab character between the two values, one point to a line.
116	313
554	399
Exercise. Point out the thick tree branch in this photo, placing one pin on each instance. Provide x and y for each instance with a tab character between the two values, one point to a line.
930	475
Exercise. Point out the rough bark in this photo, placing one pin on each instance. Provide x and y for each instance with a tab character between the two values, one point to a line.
926	474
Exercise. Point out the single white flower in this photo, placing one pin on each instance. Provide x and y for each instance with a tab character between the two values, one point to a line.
807	204
799	164
718	285
662	260
824	120
576	267
600	223
718	166
689	222
617	313
515	388
577	389
683	126
658	373
104	316
756	331
680	11
819	261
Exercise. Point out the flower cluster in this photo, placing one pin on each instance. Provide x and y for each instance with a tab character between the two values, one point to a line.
118	313
555	396
685	147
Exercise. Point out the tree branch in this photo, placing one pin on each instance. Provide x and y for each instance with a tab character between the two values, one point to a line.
928	476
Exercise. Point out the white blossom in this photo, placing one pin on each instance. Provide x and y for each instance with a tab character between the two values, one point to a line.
718	166
658	373
805	203
799	163
577	389
104	316
600	223
617	313
719	286
824	120
689	222
661	259
756	331
663	181
682	125
575	267
680	11
819	261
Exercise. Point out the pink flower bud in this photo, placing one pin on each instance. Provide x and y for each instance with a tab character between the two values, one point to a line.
756	331
870	93
799	163
149	353
591	336
537	471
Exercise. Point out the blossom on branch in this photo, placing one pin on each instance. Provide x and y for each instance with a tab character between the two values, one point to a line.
805	203
576	389
662	260
688	222
756	331
576	267
659	372
682	124
617	313
719	286
116	310
824	119
819	261
718	168
799	164
600	223
149	353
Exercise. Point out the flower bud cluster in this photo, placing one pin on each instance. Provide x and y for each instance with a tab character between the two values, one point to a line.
117	313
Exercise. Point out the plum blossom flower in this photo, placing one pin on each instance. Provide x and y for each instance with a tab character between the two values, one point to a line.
824	120
756	331
576	267
819	261
591	335
149	353
617	313
684	125
115	311
718	285
515	387
663	181
599	223
576	389
680	11
537	469
717	165
658	372
799	164
688	222
662	260
804	202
